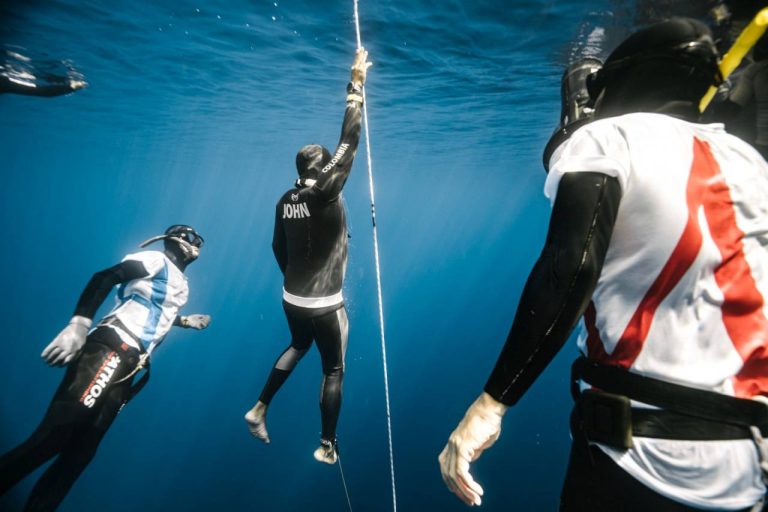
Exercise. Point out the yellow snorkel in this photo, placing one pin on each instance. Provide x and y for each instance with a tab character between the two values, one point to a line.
746	40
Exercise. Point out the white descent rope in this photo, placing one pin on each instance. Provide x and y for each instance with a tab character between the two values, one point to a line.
344	480
378	276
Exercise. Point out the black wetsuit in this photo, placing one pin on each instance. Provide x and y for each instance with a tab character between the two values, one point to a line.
330	330
48	90
310	237
310	246
79	415
84	405
43	77
561	283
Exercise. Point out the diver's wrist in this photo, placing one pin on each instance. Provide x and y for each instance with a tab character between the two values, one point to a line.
81	321
490	405
354	87
355	92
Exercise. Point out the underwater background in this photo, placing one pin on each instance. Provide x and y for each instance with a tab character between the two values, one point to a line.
193	114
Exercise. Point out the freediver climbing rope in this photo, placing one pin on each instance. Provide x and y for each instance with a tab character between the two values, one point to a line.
378	273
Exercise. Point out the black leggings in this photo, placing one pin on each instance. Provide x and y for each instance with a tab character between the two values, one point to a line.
79	415
330	329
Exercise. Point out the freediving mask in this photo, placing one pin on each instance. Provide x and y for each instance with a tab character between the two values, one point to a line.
577	108
191	238
180	232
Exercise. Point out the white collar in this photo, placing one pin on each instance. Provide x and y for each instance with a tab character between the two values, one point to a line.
305	182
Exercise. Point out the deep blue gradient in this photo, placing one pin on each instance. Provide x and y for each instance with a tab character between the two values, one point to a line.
193	115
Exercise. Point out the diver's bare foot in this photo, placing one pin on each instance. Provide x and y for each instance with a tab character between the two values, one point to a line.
326	452
257	422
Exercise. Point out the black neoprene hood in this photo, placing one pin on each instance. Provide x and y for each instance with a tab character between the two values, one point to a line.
307	164
660	38
681	40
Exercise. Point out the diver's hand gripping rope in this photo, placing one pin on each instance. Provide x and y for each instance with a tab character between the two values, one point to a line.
378	272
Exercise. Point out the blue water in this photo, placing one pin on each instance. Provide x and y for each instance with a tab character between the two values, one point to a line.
193	114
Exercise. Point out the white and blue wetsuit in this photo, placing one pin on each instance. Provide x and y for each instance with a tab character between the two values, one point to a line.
151	290
146	307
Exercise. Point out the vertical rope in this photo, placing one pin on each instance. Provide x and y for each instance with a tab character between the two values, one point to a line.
343	480
378	275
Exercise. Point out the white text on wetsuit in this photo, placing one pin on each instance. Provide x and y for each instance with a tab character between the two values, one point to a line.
339	153
99	383
295	211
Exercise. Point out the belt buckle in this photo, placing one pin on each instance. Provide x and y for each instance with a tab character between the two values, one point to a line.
606	418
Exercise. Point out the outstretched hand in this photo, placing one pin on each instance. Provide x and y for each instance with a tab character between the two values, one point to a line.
68	344
196	321
75	84
360	66
478	430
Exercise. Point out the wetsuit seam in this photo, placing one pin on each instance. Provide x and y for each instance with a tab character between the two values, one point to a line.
571	287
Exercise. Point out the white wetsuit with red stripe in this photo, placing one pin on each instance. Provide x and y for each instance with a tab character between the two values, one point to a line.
681	293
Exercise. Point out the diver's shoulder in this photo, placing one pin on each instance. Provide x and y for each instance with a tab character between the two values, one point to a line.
142	255
646	121
292	195
288	193
635	118
148	258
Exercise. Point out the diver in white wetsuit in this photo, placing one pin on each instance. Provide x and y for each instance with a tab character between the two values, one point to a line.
101	364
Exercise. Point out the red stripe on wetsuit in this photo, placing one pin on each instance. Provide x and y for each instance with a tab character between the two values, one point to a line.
742	311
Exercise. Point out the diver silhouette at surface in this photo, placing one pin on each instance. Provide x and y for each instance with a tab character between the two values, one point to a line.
656	239
310	246
102	364
19	74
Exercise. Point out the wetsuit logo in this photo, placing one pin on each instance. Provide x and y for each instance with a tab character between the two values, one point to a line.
295	211
339	153
100	381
